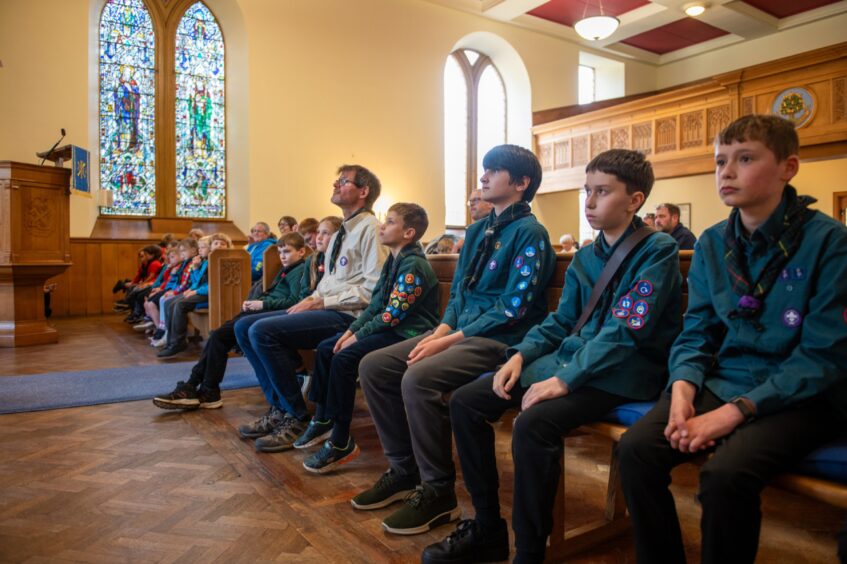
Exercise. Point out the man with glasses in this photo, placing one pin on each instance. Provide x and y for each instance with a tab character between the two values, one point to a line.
261	239
449	243
353	265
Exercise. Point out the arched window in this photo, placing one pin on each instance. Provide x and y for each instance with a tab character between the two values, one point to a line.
156	66
474	122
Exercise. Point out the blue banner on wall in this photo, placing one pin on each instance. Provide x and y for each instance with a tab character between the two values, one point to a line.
81	170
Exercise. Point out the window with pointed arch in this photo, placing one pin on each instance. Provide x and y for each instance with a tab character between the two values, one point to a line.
162	140
474	122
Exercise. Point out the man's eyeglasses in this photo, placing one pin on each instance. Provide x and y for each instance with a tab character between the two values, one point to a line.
474	201
341	182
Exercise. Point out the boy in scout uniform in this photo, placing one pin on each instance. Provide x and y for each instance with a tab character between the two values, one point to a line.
404	304
496	296
758	374
562	380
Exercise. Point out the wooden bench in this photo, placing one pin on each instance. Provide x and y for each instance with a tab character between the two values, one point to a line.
229	283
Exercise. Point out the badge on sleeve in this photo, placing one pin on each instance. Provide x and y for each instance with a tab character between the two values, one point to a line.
516	302
526	270
497	245
509	313
410	278
418	291
791	318
644	288
798	273
541	246
620	313
635	321
529	251
523	285
518	262
386	317
784	275
640	307
343	261
492	264
626	303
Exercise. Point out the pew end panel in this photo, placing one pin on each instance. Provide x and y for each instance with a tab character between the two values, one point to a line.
271	265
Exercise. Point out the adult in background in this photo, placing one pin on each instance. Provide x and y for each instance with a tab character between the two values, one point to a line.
667	220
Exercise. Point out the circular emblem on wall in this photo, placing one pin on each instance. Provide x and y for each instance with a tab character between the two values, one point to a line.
795	104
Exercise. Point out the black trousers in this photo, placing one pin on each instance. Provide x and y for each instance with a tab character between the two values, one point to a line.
209	370
177	316
537	445
730	482
135	299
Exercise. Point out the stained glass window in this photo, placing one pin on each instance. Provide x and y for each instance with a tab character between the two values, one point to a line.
200	118
127	108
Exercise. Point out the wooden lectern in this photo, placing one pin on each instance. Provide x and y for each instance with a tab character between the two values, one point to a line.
34	246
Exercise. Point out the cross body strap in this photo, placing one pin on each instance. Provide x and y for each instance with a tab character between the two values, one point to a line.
609	271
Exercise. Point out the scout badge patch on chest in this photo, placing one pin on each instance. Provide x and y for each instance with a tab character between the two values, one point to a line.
791	318
492	264
343	261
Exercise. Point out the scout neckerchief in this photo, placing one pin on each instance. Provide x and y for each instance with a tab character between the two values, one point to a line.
282	273
342	231
318	261
514	212
752	293
392	265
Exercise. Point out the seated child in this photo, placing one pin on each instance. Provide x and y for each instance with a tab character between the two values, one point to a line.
308	228
404	304
757	376
197	295
158	287
178	282
561	380
151	265
203	387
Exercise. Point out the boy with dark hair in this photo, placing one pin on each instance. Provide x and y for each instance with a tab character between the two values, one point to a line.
404	304
496	296
563	374
757	375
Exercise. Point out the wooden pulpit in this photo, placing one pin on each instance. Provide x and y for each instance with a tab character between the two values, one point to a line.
34	246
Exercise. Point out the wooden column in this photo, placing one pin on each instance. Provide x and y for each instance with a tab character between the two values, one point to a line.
34	246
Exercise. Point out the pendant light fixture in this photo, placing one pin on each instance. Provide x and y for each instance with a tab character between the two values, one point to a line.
595	28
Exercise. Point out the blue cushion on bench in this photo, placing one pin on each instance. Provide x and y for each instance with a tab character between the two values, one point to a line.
629	413
828	462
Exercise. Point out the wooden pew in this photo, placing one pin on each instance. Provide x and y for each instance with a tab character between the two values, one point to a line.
229	283
271	266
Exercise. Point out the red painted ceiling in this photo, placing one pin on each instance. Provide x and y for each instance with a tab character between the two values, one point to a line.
675	35
785	8
568	12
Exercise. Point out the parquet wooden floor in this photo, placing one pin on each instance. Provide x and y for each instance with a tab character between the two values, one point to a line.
131	483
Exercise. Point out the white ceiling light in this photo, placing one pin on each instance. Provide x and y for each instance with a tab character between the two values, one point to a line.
595	28
695	10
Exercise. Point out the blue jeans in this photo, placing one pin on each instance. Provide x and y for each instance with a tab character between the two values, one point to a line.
273	342
242	326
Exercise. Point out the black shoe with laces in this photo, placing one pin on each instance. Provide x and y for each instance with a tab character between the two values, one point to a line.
424	509
390	487
184	396
264	425
210	398
470	543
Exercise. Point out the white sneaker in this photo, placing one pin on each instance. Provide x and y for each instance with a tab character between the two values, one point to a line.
143	326
161	342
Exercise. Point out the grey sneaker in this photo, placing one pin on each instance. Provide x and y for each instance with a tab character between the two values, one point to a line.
390	487
330	457
283	436
264	425
315	434
423	510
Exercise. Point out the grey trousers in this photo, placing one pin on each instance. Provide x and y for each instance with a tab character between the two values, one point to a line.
407	402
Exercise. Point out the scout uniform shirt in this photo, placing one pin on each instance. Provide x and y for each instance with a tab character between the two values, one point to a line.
285	291
405	299
623	347
306	280
510	296
801	349
348	284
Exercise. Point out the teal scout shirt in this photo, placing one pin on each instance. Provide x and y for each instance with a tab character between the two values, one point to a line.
285	291
411	306
306	280
623	348
802	350
509	297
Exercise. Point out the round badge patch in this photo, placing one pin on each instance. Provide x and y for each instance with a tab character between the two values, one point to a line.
492	264
791	318
541	246
497	245
529	251
386	317
395	323
509	313
418	291
523	285
410	279
644	288
343	261
526	270
516	302
626	302
400	279
401	287
411	298
518	262
641	308
635	321
620	313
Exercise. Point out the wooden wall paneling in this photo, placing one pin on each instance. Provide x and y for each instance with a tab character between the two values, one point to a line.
76	282
839	99
93	275
109	273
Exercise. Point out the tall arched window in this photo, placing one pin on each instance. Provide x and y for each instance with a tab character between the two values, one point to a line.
474	122
162	61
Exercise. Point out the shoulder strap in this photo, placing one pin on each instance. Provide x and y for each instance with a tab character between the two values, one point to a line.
608	273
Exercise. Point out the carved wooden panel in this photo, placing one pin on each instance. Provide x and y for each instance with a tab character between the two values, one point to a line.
718	118
562	154
599	142
642	137
691	125
666	135
230	272
839	99
620	138
546	157
580	150
748	106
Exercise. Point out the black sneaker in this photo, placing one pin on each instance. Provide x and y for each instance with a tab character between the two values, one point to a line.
158	334
315	434
172	349
390	487
283	436
264	425
120	308
422	511
210	398
470	543
184	396
330	456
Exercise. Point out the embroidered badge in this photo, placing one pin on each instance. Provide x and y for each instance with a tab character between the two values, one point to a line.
784	275
395	323
518	262
343	261
620	313
404	307
401	287
400	279
497	245
386	317
530	296
418	291
395	303
410	278
541	246
798	273
626	303
791	318
529	251
418	280
534	280
644	288
522	311
403	295
411	299
526	270
516	302
523	285
640	307
492	264
635	321
509	313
